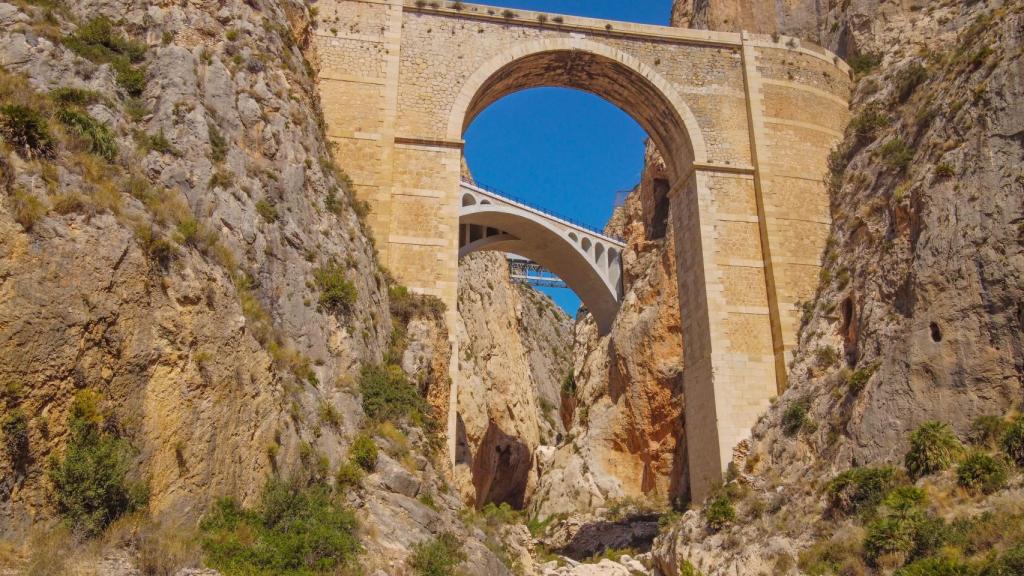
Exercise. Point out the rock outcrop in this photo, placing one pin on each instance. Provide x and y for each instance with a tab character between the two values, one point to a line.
806	19
515	351
205	351
624	407
917	317
176	238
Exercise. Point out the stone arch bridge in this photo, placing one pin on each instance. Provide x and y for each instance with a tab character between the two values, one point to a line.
744	123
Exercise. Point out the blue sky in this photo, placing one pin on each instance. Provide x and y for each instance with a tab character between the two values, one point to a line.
564	150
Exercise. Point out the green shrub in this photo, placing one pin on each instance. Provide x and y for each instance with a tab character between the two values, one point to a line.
864	63
406	305
720	512
867	125
388	395
363	452
1011	563
154	142
988	431
935	567
26	130
267	211
90	481
14	426
337	294
188	232
933	448
569	384
131	78
438	557
945	170
838	160
931	534
350	475
904	530
897	154
825	357
858	379
218	145
1013	441
99	138
861	489
904	499
332	203
221	178
500	514
295	530
96	40
538	527
329	414
979	472
795	418
76	96
891	535
27	208
688	569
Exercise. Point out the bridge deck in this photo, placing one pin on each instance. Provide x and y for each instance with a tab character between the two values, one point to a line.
615	241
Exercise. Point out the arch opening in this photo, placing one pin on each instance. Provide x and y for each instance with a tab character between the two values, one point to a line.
586	266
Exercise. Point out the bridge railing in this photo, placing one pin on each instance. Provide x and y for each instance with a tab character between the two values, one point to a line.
545	211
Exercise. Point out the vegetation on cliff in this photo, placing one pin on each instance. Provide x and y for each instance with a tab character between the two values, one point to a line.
299	528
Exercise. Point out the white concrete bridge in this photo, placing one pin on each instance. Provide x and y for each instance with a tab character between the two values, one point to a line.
589	262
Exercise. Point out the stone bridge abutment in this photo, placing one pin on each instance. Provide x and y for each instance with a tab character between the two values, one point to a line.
744	123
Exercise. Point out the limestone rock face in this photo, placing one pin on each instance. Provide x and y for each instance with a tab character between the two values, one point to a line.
514	352
843	27
624	416
796	17
918	313
211	281
223	351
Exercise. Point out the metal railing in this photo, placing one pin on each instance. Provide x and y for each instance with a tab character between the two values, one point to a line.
529	272
516	200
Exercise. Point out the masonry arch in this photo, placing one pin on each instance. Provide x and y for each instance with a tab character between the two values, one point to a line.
599	69
609	73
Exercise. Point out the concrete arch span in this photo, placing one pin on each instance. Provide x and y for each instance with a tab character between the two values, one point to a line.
510	229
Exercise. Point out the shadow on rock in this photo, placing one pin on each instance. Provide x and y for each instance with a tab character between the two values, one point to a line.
637	533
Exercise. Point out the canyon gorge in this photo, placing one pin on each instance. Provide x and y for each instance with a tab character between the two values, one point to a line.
213	361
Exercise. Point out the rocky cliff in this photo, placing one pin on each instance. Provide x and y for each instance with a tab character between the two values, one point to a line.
190	303
515	350
917	318
623	408
176	270
820	22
